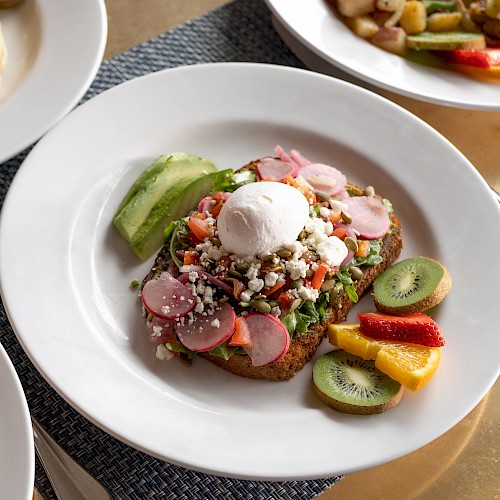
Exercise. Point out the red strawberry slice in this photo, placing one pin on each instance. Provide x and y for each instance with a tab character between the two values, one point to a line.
416	328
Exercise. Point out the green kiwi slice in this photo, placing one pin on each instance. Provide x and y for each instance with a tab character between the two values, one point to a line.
350	384
411	286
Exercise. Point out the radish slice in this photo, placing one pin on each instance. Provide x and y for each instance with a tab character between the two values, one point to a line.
370	218
207	332
282	155
184	278
161	331
324	178
272	169
269	339
167	298
297	157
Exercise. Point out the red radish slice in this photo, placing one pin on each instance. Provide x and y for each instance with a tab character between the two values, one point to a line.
161	331
184	278
269	339
282	155
297	157
324	178
167	297
370	218
207	332
272	169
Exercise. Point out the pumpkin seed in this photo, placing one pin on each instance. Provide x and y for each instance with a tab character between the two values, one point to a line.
295	303
242	267
334	293
351	244
297	283
327	285
346	217
234	273
260	305
216	242
284	253
270	257
356	273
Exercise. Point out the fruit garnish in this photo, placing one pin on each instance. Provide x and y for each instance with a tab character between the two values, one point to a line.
412	365
350	384
415	328
411	286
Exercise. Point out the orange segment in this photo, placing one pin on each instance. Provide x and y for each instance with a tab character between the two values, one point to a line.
410	364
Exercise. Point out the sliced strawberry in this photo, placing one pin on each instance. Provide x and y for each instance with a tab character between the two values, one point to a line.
416	328
485	58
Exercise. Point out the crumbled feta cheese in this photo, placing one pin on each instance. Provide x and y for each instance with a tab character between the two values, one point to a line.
338	206
157	330
246	295
163	353
165	310
307	293
297	268
271	278
324	212
333	251
215	323
256	284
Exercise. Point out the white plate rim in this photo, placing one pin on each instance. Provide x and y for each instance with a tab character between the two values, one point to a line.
398	75
53	76
482	201
17	473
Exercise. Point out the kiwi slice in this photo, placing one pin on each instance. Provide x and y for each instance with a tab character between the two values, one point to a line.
411	286
350	384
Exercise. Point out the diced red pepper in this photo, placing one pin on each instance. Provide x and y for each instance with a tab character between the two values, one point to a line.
485	58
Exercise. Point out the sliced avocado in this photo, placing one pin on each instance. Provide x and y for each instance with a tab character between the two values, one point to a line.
176	203
151	186
448	40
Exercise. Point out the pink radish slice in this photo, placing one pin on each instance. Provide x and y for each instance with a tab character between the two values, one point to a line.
324	178
269	339
273	169
207	332
297	157
161	331
167	297
370	218
184	278
282	155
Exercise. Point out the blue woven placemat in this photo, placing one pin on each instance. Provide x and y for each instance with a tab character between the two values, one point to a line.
238	32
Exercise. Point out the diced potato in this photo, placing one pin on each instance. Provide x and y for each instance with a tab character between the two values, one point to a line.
363	26
391	39
443	21
352	8
414	17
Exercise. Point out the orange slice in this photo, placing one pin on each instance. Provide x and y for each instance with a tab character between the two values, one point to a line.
410	364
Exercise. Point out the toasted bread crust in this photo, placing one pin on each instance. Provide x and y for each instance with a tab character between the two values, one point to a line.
303	347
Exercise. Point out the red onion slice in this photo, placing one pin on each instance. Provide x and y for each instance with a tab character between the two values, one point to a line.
184	278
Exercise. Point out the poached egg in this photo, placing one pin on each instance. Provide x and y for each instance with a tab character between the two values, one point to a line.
261	217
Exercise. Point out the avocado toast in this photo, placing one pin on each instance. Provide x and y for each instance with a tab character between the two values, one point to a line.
251	276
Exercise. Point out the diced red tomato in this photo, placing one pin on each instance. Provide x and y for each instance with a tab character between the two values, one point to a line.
199	226
190	257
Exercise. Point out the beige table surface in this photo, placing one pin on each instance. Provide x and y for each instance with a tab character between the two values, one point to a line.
464	463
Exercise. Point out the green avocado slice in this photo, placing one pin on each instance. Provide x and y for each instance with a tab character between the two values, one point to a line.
176	203
151	186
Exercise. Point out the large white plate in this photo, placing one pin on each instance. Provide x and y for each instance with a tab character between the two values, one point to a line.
17	451
54	51
65	273
315	26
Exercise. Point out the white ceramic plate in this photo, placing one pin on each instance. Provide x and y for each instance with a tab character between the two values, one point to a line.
17	451
315	27
54	51
65	273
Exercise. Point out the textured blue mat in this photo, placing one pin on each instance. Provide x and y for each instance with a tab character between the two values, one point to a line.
238	32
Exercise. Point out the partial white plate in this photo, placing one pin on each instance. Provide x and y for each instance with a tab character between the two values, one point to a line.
313	26
17	449
65	273
54	51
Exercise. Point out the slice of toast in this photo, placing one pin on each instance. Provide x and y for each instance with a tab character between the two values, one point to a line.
302	346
